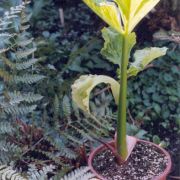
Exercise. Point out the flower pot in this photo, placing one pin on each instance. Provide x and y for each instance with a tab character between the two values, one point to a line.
162	176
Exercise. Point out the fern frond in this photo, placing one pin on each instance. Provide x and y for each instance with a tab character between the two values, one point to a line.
57	142
6	128
10	16
8	151
7	172
22	42
5	23
55	156
25	53
26	64
56	107
21	110
34	174
66	105
6	35
8	147
82	173
14	11
27	78
82	133
3	50
17	97
73	139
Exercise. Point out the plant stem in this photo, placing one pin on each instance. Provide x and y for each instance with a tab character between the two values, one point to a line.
121	121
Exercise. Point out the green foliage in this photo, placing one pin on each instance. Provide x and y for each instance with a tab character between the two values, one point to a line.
125	14
78	130
6	128
16	68
6	172
35	174
82	88
112	49
143	58
8	152
133	130
82	173
154	95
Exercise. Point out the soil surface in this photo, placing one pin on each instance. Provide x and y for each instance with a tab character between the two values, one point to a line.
145	163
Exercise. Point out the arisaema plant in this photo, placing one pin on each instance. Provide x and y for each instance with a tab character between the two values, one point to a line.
122	16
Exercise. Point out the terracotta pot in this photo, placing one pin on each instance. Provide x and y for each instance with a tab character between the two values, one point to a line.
162	176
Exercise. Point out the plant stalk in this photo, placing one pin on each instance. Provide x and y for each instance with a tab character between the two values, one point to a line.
121	121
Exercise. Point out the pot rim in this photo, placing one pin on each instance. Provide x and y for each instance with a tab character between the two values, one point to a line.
100	148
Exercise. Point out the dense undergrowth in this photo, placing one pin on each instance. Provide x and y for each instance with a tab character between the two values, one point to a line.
56	137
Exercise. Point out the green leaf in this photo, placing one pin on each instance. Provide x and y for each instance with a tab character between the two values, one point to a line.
156	139
82	88
133	11
157	108
108	11
130	12
112	49
143	58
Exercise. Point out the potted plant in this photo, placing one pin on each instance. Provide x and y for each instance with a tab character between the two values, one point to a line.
124	157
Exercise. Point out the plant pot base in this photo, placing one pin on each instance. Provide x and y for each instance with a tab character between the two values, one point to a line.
147	162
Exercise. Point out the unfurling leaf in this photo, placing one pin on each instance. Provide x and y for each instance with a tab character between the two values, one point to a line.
143	58
82	88
108	11
133	11
129	12
112	49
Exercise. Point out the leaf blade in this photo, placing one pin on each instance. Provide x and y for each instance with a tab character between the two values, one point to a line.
112	49
143	58
107	11
82	88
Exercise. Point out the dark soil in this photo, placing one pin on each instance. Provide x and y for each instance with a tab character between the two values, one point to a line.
144	163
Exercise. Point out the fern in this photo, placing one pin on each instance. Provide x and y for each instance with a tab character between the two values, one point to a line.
21	47
19	110
35	174
82	173
66	108
73	128
6	128
8	151
27	78
56	107
25	53
18	71
7	172
57	141
22	42
54	156
26	64
2	50
17	97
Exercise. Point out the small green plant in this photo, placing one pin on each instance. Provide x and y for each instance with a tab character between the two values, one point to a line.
122	16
